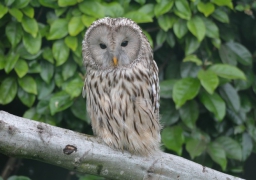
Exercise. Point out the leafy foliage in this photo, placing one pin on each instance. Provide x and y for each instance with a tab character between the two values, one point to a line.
205	51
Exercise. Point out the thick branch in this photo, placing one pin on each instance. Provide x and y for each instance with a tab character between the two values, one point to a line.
26	138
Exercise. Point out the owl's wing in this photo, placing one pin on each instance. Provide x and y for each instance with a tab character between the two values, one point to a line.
155	88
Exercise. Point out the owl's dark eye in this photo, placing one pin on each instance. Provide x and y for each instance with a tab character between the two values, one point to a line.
103	46
124	43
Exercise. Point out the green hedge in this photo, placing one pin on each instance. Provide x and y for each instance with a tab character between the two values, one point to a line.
203	50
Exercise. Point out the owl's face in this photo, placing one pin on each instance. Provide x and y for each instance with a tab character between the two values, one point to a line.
113	43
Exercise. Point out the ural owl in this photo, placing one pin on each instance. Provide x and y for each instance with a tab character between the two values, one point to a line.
121	86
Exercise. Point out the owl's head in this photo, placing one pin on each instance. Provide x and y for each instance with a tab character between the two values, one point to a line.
113	43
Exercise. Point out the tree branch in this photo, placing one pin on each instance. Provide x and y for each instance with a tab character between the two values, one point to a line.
20	137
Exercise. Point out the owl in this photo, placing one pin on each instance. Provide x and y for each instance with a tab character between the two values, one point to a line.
122	86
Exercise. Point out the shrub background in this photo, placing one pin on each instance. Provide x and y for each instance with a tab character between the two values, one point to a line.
205	51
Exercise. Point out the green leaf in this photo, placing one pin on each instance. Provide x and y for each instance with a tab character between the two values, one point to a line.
192	44
169	115
68	69
34	67
21	68
227	55
75	25
43	29
247	146
31	114
47	55
227	3
77	54
16	13
35	3
148	37
33	45
212	29
60	52
28	84
193	58
141	1
166	88
10	61
138	17
20	4
195	147
205	8
163	7
189	113
58	79
170	39
166	22
113	9
18	178
189	69
180	28
42	107
209	80
46	71
8	2
44	89
196	27
58	29
227	71
182	9
237	117
64	3
59	102
243	55
8	90
14	34
161	37
29	11
3	10
87	20
185	89
78	111
2	61
216	42
92	8
60	11
246	104
173	138
74	86
239	129
217	154
30	25
147	9
232	148
71	42
221	16
49	3
26	98
242	84
214	104
230	95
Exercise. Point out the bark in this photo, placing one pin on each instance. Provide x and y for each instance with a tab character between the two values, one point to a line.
20	137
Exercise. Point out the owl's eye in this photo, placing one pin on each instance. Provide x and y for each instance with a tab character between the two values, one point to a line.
103	46
124	43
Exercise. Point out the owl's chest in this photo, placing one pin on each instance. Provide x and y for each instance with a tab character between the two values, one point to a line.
114	84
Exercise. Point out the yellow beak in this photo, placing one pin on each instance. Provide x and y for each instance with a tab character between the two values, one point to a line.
115	61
